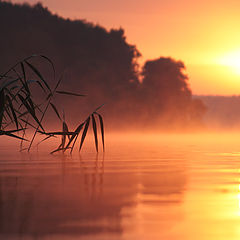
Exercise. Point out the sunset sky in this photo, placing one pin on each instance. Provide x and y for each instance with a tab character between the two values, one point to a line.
204	34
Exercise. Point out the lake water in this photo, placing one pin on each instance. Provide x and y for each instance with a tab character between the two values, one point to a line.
144	187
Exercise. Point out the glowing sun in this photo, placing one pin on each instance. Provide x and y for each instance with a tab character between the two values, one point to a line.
231	60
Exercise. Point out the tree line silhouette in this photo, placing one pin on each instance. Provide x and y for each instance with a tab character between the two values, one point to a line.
101	64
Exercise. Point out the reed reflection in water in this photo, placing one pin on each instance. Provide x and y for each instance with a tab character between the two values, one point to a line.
171	189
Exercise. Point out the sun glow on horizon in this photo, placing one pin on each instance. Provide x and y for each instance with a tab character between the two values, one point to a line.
218	73
231	60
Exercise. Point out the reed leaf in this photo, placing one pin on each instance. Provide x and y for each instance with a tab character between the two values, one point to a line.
6	84
51	62
64	129
23	71
28	123
12	135
29	100
30	110
38	82
59	149
58	82
55	110
102	129
14	87
24	81
84	132
46	138
49	96
12	131
70	93
57	133
10	93
98	108
12	110
35	70
94	125
23	135
77	131
2	106
7	114
74	143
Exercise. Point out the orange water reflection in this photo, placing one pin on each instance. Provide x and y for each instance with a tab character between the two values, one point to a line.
157	189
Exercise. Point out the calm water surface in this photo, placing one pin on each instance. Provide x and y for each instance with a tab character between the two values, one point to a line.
143	187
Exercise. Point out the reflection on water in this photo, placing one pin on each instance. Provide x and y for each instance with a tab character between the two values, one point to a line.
161	188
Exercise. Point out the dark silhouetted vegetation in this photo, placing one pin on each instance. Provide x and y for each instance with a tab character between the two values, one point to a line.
167	93
102	64
20	110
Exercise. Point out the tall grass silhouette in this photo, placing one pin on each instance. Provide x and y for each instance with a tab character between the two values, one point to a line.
20	111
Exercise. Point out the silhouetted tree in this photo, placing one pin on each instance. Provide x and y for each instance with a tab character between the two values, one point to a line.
91	53
166	92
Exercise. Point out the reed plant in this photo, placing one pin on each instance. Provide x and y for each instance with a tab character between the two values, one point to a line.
20	111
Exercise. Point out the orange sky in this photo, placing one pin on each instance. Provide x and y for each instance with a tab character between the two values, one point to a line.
204	34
